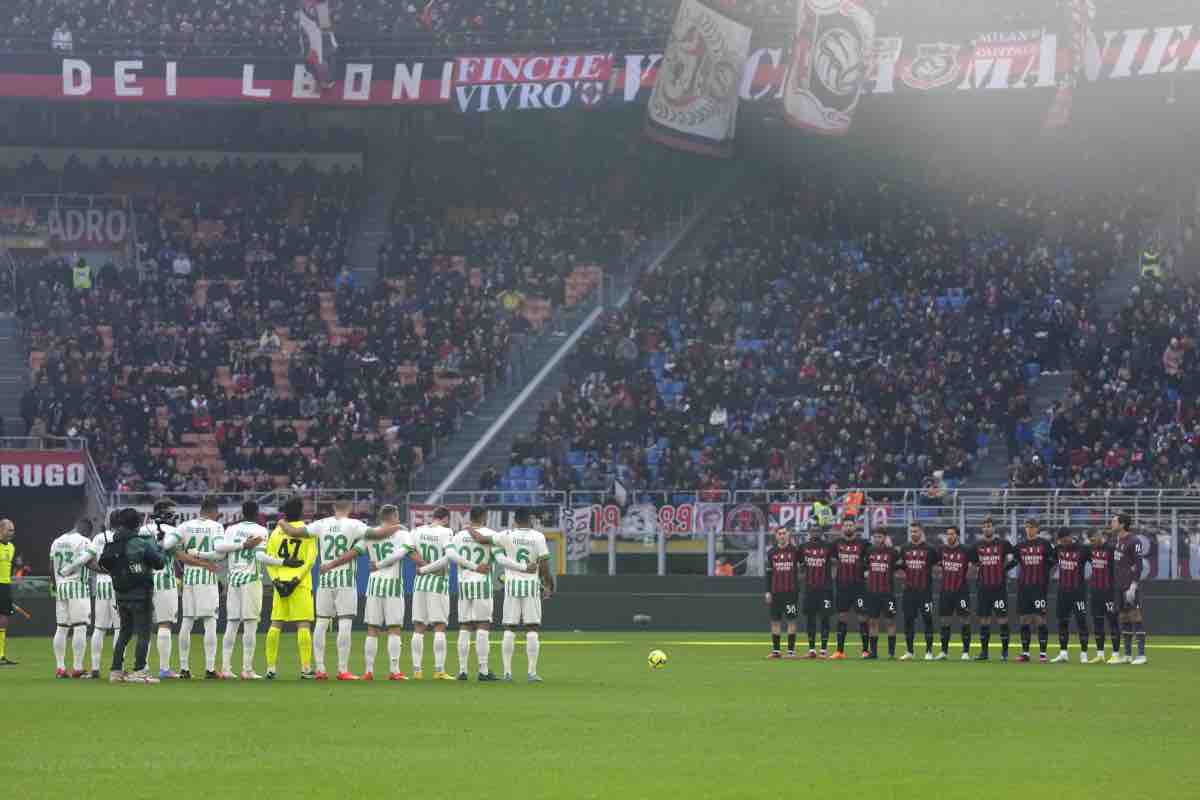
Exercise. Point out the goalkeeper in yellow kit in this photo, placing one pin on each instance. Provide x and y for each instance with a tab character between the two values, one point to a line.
293	601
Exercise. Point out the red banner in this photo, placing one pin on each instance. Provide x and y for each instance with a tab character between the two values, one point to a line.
34	469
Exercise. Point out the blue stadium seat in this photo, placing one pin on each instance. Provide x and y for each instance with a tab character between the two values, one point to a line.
516	472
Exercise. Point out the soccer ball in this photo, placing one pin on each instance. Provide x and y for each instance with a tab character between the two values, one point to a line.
657	659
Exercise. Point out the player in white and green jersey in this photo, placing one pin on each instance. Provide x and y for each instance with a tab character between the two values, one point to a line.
104	616
431	591
475	604
523	592
70	555
337	589
160	527
385	590
243	546
200	594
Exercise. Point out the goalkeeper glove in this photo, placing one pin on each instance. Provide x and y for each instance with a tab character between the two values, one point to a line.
1131	594
293	562
285	588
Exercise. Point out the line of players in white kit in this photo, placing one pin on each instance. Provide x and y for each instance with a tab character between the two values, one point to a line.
210	553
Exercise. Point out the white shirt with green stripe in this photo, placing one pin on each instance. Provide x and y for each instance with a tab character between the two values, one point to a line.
336	536
242	565
164	579
69	554
472	585
524	546
104	587
433	542
199	537
386	554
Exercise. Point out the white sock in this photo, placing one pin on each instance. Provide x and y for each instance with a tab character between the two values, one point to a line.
533	646
370	648
164	648
319	631
97	647
343	643
227	644
417	645
439	651
249	642
481	649
210	643
79	645
464	650
185	643
395	643
60	647
507	646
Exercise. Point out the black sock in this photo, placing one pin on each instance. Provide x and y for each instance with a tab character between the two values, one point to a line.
909	634
966	638
1101	640
1043	638
1005	635
841	637
891	644
1026	638
1083	640
824	633
775	642
945	638
1139	633
811	627
927	621
865	632
792	642
1127	633
985	637
1064	635
873	645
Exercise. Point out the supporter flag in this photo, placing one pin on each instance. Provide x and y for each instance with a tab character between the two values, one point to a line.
1077	18
830	61
695	99
317	42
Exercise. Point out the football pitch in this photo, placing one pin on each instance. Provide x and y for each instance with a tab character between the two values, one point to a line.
718	722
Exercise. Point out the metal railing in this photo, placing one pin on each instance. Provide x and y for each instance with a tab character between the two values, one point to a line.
42	443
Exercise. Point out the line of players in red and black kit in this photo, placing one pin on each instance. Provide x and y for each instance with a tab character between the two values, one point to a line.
863	574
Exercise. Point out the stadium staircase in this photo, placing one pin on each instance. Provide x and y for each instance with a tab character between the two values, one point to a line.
455	458
382	162
14	375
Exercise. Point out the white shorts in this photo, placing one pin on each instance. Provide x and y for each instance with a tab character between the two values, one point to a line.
200	601
106	617
244	603
475	610
522	610
73	612
341	602
431	608
385	612
166	606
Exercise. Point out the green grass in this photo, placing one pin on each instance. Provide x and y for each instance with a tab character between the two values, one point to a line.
718	721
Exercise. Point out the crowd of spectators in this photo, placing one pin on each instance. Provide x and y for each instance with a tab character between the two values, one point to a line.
870	332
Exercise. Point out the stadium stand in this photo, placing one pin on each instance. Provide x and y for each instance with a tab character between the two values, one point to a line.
889	337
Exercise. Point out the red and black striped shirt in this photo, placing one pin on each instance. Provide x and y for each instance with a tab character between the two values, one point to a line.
1037	559
992	558
817	574
783	569
1102	561
851	557
917	561
1071	560
881	564
954	561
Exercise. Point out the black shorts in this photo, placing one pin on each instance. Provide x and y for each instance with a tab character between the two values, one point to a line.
881	606
916	603
850	598
6	604
818	601
1104	604
992	602
1071	604
951	603
785	605
1125	605
1031	601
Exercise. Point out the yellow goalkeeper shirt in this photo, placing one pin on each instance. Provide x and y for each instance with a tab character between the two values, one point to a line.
281	545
